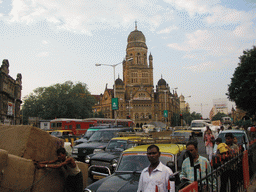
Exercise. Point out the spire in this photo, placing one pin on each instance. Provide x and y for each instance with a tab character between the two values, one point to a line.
161	76
135	25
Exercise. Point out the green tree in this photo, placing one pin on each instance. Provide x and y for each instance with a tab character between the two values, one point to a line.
242	89
218	116
65	100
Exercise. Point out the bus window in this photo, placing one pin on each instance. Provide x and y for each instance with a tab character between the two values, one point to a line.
59	124
70	126
78	126
66	127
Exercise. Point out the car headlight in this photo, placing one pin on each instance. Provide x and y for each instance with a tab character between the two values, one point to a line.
75	150
97	151
87	159
114	163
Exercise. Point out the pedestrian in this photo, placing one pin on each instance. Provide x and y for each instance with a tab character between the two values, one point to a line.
221	129
209	140
222	148
74	180
156	175
187	172
230	174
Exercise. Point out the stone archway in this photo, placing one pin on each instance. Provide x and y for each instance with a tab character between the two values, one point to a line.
141	124
137	125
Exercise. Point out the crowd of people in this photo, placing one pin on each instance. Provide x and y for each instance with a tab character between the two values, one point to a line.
156	177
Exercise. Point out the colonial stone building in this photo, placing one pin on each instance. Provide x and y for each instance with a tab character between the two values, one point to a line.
137	97
10	96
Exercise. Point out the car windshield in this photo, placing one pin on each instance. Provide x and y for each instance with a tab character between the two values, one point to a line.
89	133
239	137
56	133
184	134
116	145
137	162
102	136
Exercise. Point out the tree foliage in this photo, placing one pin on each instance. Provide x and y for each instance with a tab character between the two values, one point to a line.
242	89
65	100
187	117
218	116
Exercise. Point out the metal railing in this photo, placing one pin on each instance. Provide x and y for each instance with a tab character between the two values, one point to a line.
227	175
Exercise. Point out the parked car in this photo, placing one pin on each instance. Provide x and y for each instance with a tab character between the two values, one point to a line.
132	162
97	142
241	135
103	164
88	134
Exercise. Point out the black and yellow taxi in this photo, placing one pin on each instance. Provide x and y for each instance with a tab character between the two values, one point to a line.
102	163
132	161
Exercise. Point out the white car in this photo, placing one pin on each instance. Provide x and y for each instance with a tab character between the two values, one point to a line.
242	138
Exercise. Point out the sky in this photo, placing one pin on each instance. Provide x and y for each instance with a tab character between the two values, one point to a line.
195	44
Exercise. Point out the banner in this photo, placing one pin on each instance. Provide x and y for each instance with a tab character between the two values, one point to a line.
165	113
114	103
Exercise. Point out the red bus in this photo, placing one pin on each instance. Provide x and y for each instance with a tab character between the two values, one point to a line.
123	122
78	126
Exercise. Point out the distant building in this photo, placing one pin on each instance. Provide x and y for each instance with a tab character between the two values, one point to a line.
184	106
10	96
220	105
137	98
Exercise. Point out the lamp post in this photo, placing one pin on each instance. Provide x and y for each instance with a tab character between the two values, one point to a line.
114	68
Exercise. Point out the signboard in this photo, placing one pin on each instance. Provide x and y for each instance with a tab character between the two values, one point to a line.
220	103
114	103
10	109
165	113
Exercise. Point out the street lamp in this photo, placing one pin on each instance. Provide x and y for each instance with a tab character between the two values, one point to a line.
114	66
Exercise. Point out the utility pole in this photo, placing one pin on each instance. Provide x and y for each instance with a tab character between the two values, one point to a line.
201	107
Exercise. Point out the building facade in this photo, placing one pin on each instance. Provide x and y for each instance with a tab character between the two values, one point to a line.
10	96
137	97
184	106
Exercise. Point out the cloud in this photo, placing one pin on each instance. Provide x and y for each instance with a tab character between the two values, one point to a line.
245	30
191	6
43	54
44	42
221	16
85	16
213	43
201	68
167	30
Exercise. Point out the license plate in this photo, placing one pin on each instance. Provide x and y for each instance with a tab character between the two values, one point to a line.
98	177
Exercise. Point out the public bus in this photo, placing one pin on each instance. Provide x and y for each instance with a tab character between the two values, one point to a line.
123	122
77	126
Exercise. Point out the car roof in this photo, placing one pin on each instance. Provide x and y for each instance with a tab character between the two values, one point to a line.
164	148
125	138
116	129
233	131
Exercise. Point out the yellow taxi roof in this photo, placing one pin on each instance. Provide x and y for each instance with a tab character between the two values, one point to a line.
164	148
182	131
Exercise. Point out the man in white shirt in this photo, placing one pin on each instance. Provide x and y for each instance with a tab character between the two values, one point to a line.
156	176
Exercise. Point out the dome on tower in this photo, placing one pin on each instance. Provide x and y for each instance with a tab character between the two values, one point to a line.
136	39
119	81
161	82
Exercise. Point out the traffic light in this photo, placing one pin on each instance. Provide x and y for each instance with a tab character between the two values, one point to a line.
128	117
181	117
